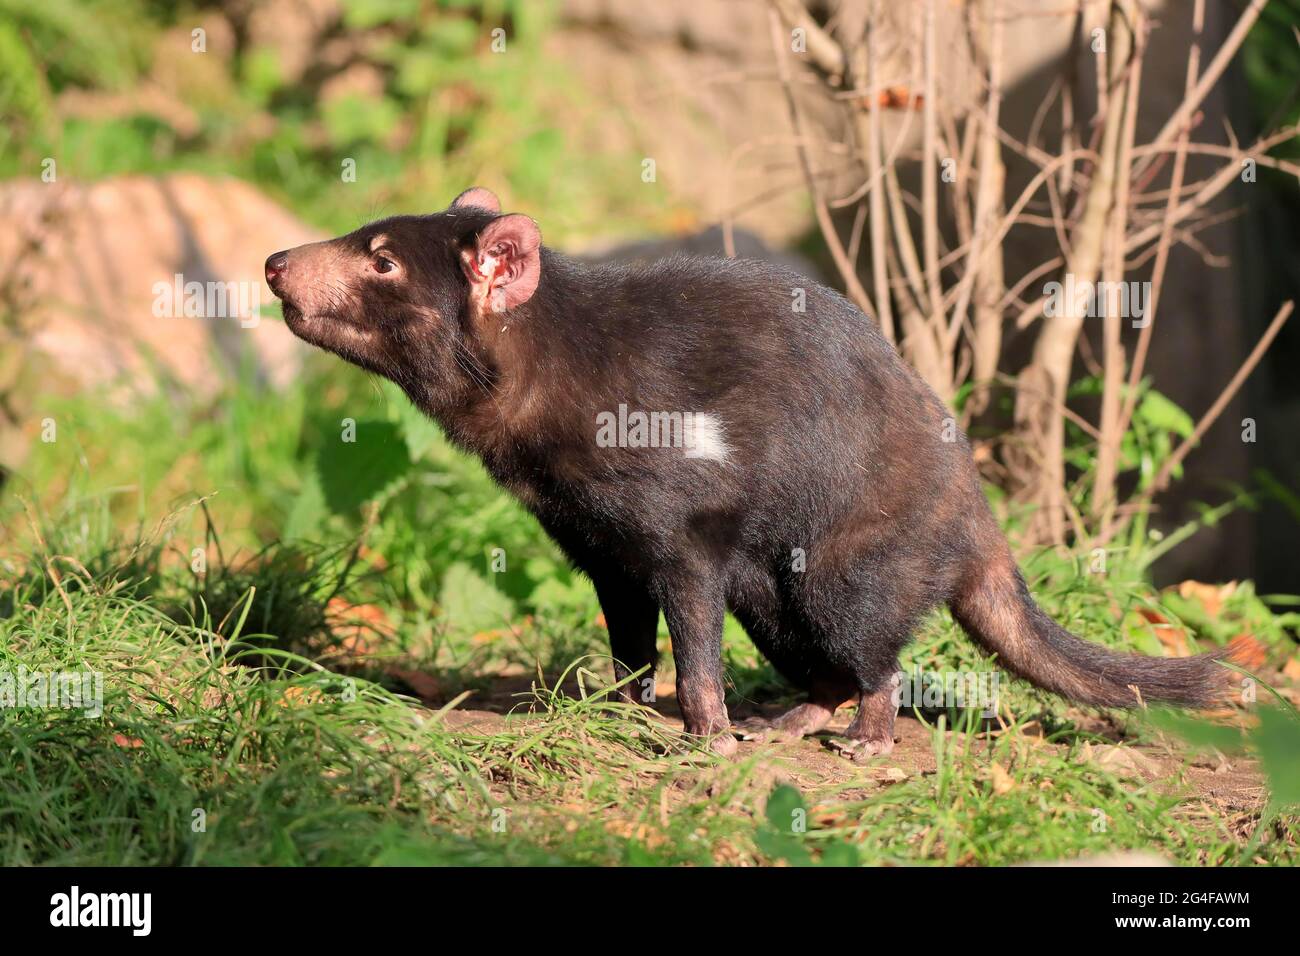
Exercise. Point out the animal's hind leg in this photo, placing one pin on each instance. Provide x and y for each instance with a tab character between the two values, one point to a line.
871	734
807	718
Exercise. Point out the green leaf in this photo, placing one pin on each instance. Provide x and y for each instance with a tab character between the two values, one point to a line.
262	73
779	846
782	805
451	36
363	14
418	430
416	72
22	91
1277	739
1159	412
637	854
540	569
840	854
354	472
308	511
471	604
553	596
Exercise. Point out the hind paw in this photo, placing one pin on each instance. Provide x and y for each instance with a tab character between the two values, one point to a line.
754	728
861	751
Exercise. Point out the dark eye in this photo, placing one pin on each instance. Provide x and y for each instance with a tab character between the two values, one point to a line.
383	264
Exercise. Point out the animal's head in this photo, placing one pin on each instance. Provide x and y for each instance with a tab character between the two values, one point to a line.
412	296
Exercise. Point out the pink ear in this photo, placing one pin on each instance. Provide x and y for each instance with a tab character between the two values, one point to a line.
479	198
505	264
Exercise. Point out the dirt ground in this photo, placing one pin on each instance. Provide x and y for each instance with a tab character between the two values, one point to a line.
1234	787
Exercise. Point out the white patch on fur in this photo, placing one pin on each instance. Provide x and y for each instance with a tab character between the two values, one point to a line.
705	438
378	241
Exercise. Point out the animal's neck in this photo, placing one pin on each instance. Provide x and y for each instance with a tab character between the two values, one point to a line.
522	375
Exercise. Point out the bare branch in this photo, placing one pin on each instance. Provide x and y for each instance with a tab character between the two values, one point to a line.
823	49
824	221
1192	102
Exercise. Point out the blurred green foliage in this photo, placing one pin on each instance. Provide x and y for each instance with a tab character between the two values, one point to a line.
427	97
55	44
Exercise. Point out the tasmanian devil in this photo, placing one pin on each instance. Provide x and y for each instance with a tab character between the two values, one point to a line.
699	435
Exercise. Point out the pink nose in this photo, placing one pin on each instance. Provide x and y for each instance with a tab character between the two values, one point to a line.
275	266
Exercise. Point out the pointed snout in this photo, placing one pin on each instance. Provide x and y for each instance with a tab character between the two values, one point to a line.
275	266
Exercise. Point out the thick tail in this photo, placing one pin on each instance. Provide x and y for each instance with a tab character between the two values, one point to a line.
996	609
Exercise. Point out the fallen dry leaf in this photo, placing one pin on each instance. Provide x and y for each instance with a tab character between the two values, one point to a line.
297	696
1211	596
1172	637
358	628
1002	781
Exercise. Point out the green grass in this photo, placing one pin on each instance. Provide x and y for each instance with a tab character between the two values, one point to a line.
291	764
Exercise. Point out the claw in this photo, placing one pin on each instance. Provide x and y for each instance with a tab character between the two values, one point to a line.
862	751
753	729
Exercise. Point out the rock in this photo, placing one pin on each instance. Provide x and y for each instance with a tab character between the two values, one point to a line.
104	260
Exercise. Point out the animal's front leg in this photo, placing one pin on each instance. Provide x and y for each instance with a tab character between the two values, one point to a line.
632	617
693	606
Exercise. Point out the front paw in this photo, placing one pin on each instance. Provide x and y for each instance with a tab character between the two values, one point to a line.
724	744
717	736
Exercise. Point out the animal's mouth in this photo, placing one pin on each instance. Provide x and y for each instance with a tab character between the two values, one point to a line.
297	320
294	316
323	328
